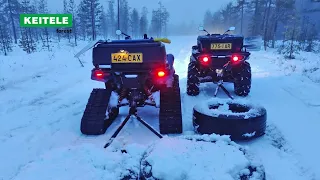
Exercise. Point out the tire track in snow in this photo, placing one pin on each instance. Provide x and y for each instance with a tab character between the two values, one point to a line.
45	98
36	75
278	141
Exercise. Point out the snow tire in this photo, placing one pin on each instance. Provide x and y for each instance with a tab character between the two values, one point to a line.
242	76
193	82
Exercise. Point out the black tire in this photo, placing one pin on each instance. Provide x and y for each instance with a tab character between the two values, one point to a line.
193	80
242	77
94	120
240	124
170	116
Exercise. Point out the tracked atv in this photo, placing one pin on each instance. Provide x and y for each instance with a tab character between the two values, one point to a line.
219	58
133	71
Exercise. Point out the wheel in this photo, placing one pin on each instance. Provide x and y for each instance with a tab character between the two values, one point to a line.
170	116
242	83
239	119
94	120
193	80
199	157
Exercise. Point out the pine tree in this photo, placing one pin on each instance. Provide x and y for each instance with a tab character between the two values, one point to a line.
164	19
124	16
27	42
66	11
111	18
290	47
208	21
257	18
43	9
89	14
143	21
134	22
311	38
5	39
282	11
103	27
229	15
155	24
12	9
72	10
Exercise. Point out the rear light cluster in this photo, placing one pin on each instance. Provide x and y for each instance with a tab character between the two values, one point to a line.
99	75
237	58
161	73
205	59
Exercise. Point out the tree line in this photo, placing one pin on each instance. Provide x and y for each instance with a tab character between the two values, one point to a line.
272	20
91	21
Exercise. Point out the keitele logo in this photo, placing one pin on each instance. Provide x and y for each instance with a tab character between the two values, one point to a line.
46	20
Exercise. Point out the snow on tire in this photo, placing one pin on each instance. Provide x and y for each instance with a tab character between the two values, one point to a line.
237	118
199	157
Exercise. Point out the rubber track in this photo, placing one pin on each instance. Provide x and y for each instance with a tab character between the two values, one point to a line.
170	117
93	119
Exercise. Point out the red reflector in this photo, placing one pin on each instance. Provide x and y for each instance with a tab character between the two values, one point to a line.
161	73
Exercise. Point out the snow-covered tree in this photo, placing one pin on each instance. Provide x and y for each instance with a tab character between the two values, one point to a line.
290	47
72	10
27	42
5	38
103	25
124	16
89	13
43	9
143	24
208	21
12	9
134	22
111	18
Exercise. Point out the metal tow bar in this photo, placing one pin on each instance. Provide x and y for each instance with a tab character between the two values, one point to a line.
132	111
220	83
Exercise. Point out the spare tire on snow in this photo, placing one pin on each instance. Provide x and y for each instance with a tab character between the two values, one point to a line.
199	157
237	118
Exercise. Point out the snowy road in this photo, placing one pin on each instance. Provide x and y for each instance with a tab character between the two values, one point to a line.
41	107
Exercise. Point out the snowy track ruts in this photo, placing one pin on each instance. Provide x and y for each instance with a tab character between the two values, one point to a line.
281	150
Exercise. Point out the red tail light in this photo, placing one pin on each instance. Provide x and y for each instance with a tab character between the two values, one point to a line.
236	58
98	73
205	59
161	73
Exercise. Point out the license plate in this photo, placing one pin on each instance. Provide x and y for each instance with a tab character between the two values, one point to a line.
221	46
126	57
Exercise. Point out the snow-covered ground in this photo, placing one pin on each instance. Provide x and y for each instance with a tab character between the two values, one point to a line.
43	95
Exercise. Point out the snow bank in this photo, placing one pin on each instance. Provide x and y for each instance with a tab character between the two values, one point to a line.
222	107
82	163
305	63
198	157
185	157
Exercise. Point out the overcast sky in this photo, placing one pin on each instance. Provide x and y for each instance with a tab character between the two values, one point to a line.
180	10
